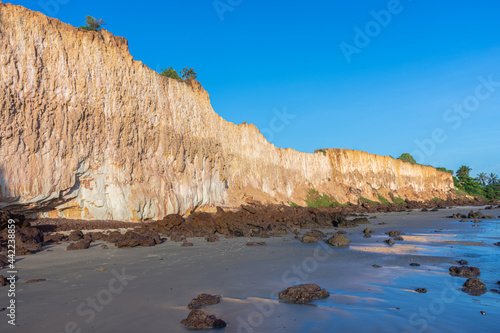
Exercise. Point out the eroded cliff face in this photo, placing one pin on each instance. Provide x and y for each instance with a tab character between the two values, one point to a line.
88	132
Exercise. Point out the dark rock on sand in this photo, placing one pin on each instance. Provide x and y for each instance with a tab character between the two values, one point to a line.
80	245
458	216
368	231
463	262
376	266
315	233
367	236
464	220
204	299
360	220
55	238
134	238
389	241
75	236
399	238
256	244
497	243
212	239
198	319
338	240
36	280
186	244
394	233
303	293
465	271
3	281
474	286
4	261
309	239
475	215
28	240
341	232
414	264
421	290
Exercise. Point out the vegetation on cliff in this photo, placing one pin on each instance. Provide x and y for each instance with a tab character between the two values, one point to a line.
187	74
93	24
315	199
407	158
484	186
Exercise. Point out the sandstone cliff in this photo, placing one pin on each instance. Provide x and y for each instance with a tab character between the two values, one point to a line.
88	132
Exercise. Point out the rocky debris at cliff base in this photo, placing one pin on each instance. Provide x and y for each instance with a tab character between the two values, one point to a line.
75	236
80	245
338	240
198	319
474	286
28	240
212	239
55	238
303	293
464	271
4	261
138	238
256	244
313	236
203	300
421	290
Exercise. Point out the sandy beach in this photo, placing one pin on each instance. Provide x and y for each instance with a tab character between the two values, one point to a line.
147	289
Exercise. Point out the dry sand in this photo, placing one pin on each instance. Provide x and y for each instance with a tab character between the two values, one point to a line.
161	281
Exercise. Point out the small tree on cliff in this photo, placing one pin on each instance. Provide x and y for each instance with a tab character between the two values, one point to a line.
463	172
170	72
407	158
188	73
93	24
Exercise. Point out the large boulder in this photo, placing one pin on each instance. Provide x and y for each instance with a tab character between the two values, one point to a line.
474	286
303	293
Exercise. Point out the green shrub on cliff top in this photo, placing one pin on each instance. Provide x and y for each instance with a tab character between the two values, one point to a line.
171	73
407	158
93	24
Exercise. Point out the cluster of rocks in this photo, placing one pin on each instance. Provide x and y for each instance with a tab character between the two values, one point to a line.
396	236
197	319
473	285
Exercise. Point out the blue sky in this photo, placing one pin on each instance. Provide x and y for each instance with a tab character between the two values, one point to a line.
400	91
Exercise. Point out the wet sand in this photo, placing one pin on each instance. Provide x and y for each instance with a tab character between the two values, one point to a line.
87	290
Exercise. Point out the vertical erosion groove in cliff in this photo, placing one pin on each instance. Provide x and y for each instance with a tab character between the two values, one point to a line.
88	132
